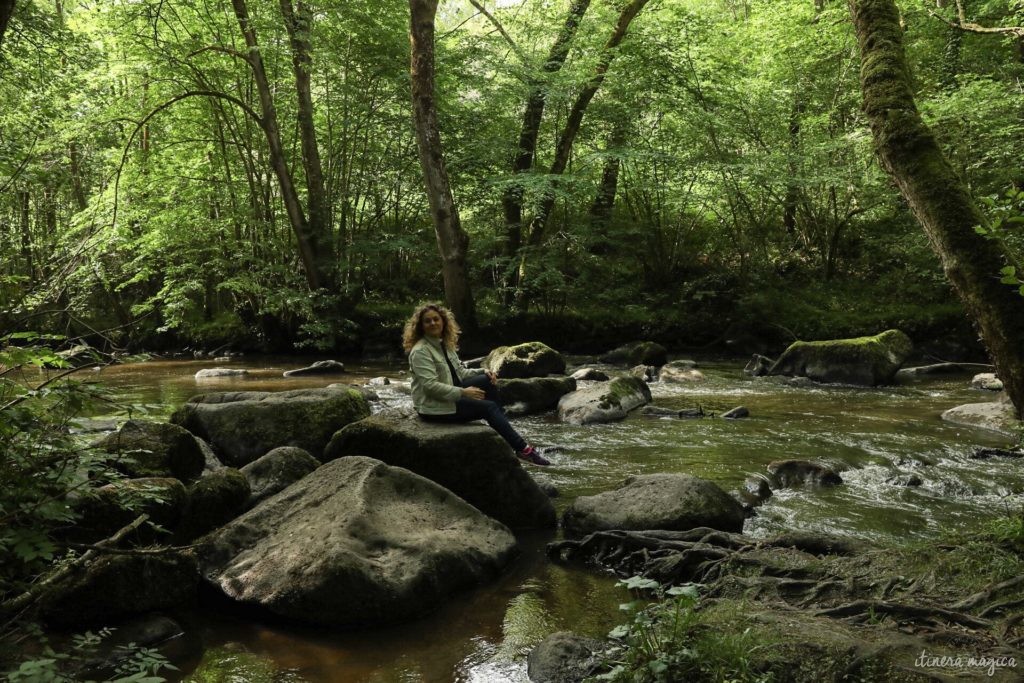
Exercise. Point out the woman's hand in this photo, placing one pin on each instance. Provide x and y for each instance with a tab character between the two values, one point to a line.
474	393
492	377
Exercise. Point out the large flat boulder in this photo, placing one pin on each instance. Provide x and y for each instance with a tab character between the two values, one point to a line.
530	359
242	426
674	502
533	395
997	416
470	460
356	542
606	402
863	361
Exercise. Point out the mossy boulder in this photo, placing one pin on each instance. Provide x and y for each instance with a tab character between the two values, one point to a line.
531	359
564	657
108	508
242	426
533	395
276	471
605	402
637	353
469	460
674	502
355	543
863	361
115	586
153	449
213	501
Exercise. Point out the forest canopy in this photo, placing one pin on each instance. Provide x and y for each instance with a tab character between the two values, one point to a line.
208	171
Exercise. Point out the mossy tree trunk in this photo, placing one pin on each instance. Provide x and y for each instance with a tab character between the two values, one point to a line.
937	196
6	10
452	240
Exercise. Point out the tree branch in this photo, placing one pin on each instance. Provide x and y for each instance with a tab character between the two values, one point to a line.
970	27
501	29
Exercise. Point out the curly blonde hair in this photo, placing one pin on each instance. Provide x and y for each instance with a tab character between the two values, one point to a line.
413	331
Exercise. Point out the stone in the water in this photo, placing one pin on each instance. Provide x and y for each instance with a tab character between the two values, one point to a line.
648	373
212	373
242	426
564	657
637	353
982	453
531	359
996	416
590	375
755	490
864	361
276	471
321	367
987	381
607	402
758	366
355	543
379	381
470	460
789	473
908	480
736	413
680	371
676	502
533	395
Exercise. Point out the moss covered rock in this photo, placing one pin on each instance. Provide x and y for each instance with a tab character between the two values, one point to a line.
637	353
606	402
471	461
213	501
153	449
109	508
863	361
531	359
674	502
242	426
533	395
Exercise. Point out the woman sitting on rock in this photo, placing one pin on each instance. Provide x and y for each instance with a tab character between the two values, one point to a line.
445	391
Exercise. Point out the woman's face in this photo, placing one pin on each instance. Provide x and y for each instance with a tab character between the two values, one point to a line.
433	324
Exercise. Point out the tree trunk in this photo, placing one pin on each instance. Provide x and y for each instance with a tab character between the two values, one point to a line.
575	118
25	207
512	198
299	22
604	198
77	186
306	242
452	240
6	10
938	198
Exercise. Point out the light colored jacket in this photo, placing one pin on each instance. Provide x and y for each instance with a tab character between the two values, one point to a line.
433	391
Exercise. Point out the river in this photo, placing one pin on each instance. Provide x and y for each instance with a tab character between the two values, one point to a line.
870	435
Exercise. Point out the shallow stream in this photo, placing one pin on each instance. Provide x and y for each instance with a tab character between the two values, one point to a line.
871	435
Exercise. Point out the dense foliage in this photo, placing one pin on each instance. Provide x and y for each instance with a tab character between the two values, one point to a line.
722	171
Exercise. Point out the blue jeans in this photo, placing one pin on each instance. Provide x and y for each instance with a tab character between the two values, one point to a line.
467	410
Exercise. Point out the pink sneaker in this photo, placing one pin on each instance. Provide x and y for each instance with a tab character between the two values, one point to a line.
530	455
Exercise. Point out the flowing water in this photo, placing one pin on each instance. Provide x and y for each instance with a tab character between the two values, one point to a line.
870	435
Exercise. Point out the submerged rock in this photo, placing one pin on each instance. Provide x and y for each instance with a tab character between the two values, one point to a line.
590	375
211	373
758	366
680	371
685	413
242	426
355	543
790	473
470	460
736	413
674	502
935	369
637	353
533	395
607	402
321	367
531	359
564	657
648	373
864	361
152	449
